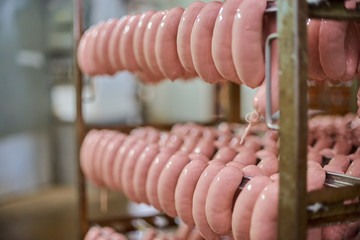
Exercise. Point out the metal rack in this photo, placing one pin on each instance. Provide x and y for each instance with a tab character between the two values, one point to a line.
292	44
293	215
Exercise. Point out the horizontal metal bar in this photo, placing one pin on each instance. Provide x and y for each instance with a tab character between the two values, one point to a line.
334	214
333	10
340	180
333	195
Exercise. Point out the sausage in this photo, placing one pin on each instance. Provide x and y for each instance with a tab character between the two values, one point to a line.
315	71
92	60
222	40
174	142
87	150
141	171
341	161
223	140
269	165
200	197
120	159
195	235
126	45
247	42
153	175
352	52
150	234
354	168
252	171
149	42
168	179
108	159
244	205
353	231
264	217
314	156
138	40
127	172
99	156
246	157
224	155
114	44
189	144
201	38
184	33
205	147
220	197
103	45
332	48
165	45
186	185
322	142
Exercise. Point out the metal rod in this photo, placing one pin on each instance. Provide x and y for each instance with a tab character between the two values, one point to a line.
292	44
333	10
234	102
268	112
80	125
333	195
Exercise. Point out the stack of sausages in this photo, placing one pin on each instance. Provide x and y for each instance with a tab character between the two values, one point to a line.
194	171
183	232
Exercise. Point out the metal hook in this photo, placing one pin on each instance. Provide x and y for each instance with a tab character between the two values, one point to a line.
268	115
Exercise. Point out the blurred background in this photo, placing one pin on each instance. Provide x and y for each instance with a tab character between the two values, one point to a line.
38	171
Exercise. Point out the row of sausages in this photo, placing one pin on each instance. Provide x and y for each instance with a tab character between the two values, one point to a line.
183	232
216	41
182	184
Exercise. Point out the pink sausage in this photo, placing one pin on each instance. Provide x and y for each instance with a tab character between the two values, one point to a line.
264	217
108	159
222	40
168	179
138	44
333	168
174	142
153	175
150	234
315	176
87	150
340	161
186	185
342	146
165	45
103	46
99	156
126	49
315	71
322	142
253	143
332	48
252	171
94	157
120	159
246	157
114	44
201	38
247	44
353	231
264	153
195	235
314	156
244	206
352	52
149	41
222	190
199	199
189	144
269	165
107	231
354	168
205	147
127	172
92	60
141	171
184	34
224	155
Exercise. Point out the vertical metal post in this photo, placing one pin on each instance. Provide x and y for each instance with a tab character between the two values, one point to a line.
80	124
292	49
234	102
